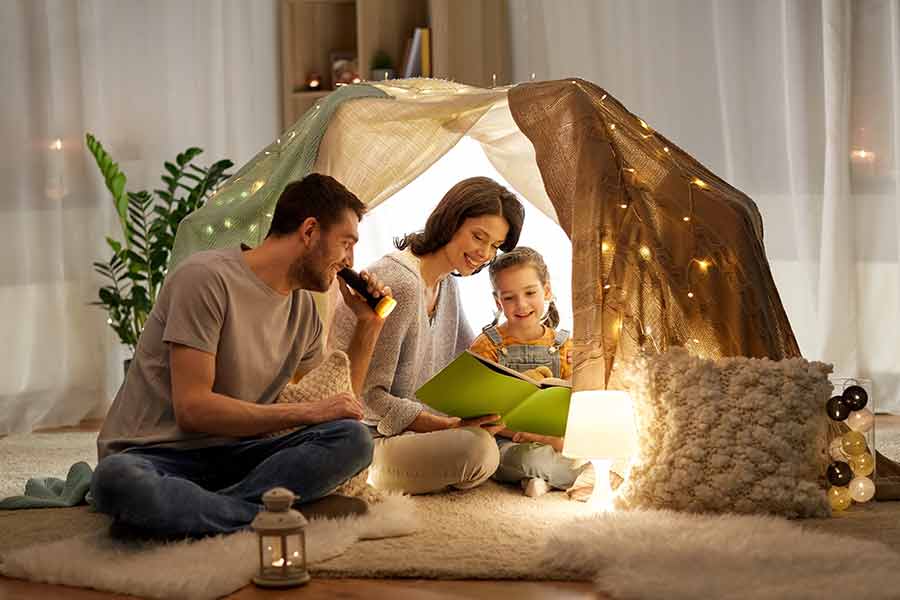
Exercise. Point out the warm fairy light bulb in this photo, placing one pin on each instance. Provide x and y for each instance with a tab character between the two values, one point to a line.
853	443
836	450
862	464
699	183
666	149
703	264
839	498
690	294
863	154
861	420
612	126
607	286
686	219
532	76
356	80
56	145
644	252
252	228
629	169
208	229
227	223
862	489
604	247
696	341
623	205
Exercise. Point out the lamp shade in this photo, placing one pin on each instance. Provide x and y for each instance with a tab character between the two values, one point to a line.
601	425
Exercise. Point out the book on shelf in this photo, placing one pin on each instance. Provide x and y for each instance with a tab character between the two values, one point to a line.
471	386
417	59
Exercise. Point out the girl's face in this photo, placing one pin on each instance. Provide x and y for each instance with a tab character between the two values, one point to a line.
521	295
475	242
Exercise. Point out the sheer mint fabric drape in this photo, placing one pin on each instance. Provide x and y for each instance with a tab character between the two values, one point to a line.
795	103
148	79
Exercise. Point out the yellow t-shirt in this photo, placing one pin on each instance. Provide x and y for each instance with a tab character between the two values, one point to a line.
483	346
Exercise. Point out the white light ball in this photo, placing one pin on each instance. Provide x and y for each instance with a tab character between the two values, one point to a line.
862	489
861	420
836	450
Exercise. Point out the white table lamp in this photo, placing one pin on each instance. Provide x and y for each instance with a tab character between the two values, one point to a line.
601	429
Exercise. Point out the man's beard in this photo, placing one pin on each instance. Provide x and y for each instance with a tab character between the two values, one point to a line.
310	272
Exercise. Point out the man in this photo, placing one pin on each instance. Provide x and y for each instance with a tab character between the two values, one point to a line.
181	452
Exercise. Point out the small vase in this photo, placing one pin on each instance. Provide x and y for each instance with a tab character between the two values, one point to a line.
382	74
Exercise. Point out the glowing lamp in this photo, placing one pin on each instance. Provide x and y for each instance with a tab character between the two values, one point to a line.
601	428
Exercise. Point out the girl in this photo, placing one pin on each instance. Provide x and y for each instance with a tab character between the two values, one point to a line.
529	343
416	450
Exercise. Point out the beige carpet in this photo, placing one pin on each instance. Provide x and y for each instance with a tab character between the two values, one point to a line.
490	532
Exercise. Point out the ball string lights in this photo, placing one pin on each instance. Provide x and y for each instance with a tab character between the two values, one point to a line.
852	460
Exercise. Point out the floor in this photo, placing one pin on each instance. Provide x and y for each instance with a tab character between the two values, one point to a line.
348	589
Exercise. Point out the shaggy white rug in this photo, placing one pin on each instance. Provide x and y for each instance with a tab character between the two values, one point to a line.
208	568
661	554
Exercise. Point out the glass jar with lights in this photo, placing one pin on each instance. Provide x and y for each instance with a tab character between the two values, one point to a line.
852	453
282	541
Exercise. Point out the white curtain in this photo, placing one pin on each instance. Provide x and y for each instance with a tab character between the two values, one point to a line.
796	103
149	79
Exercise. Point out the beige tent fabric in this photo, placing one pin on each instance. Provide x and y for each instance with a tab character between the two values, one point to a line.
665	253
376	146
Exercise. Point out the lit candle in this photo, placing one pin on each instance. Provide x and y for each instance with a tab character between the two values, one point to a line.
56	170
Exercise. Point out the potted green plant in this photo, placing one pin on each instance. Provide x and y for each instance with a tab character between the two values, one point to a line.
139	261
382	66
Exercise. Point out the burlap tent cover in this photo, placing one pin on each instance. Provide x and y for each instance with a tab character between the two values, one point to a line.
665	253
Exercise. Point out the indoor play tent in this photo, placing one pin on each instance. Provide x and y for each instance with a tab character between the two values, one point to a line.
664	252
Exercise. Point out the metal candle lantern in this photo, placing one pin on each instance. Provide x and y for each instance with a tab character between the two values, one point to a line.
282	541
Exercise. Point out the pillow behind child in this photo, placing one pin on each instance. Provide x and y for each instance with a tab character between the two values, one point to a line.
735	435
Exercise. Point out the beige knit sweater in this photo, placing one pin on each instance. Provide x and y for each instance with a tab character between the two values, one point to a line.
411	347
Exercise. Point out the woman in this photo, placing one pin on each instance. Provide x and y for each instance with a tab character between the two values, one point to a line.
416	450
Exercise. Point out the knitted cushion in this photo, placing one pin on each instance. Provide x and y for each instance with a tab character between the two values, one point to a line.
729	435
331	377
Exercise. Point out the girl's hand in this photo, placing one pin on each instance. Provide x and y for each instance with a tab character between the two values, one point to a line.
538	373
524	437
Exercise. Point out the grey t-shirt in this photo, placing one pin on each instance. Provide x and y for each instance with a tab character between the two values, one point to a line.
215	303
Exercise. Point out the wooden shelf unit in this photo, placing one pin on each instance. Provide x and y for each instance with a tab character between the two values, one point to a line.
469	40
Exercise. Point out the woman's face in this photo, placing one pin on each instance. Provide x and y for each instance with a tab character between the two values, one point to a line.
475	242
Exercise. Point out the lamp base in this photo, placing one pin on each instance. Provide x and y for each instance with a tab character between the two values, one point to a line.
602	496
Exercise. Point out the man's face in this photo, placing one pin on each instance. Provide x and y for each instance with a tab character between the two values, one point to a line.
331	251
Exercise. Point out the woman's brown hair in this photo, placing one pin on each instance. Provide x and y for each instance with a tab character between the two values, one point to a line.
472	197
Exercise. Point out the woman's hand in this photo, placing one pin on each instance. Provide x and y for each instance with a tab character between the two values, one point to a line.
426	421
490	423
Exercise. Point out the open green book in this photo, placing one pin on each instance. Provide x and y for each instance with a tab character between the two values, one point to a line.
472	386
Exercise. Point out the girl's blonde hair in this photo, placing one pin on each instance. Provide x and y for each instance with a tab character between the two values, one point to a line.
523	256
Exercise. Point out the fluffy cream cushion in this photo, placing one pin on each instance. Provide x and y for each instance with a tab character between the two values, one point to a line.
732	435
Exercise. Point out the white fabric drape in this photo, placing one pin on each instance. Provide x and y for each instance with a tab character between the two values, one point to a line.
796	103
149	79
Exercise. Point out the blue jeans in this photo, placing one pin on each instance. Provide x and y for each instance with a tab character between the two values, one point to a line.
170	492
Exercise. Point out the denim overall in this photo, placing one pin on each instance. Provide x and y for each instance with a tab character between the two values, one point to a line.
521	357
530	460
